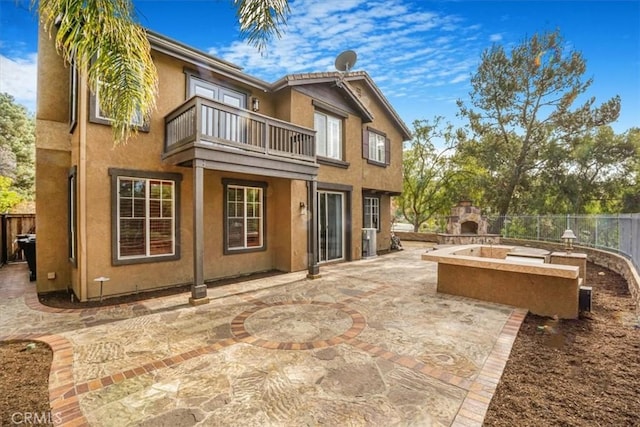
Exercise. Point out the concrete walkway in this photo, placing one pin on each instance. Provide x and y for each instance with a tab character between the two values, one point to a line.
370	343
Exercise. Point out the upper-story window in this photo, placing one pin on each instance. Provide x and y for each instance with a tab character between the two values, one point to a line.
73	96
376	147
217	121
99	116
328	136
216	92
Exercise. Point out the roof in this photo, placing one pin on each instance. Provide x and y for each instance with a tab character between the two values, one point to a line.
201	59
343	80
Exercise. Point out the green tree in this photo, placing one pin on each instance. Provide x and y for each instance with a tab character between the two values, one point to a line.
104	40
431	179
17	146
593	172
8	197
522	112
631	193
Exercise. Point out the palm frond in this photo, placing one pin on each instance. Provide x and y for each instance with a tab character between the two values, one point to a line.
106	43
260	20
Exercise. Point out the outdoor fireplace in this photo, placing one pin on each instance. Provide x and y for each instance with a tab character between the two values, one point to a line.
466	225
469	227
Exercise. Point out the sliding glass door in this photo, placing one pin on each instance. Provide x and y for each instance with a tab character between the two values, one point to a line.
330	226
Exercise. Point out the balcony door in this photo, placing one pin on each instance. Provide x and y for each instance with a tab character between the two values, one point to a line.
229	125
331	220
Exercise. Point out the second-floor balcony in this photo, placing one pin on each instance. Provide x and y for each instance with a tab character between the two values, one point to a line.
238	140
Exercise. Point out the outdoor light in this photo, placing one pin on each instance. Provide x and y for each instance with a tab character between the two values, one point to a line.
303	208
255	104
568	237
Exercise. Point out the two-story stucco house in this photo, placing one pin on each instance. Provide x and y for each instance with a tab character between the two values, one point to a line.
232	175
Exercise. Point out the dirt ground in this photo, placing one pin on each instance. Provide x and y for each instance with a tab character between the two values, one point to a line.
583	372
24	381
568	372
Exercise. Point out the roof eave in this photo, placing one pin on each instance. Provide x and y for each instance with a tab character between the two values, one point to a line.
175	49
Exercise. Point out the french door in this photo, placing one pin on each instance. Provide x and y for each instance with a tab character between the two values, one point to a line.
221	124
331	219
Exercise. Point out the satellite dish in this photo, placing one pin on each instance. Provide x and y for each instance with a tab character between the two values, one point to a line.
346	60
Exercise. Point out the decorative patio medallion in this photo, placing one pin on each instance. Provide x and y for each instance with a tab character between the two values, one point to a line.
298	325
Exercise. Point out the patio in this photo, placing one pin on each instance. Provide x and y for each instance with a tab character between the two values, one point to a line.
369	343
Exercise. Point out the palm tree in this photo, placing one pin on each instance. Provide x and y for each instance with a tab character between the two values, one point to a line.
104	40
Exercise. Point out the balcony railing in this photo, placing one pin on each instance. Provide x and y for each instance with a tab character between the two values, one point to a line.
201	120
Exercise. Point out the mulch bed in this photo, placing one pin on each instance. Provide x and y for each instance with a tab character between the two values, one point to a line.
583	372
24	381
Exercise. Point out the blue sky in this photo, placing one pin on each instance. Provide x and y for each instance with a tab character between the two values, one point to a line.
420	53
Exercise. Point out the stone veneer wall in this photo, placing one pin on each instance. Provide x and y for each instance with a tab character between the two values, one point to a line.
411	236
610	260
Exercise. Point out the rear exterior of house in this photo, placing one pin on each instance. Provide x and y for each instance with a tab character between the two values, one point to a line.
231	176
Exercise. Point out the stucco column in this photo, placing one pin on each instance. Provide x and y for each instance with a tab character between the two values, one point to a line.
198	288
312	230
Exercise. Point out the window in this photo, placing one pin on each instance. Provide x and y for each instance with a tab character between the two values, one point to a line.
145	219
73	96
375	147
371	213
328	136
72	215
99	116
244	216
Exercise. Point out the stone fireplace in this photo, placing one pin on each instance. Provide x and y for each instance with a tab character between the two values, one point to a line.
466	225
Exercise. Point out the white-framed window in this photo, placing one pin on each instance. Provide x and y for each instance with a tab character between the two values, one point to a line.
145	222
99	116
377	144
244	217
328	135
371	213
376	147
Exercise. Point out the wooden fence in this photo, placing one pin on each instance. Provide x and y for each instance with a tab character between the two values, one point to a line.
12	225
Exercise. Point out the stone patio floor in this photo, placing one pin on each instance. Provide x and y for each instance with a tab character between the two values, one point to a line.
370	343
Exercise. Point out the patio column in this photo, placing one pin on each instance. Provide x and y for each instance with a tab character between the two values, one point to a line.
312	230
198	288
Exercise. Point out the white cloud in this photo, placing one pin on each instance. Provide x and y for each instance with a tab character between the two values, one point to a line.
459	78
407	48
18	77
493	38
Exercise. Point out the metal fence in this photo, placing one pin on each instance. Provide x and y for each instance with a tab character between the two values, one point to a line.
614	233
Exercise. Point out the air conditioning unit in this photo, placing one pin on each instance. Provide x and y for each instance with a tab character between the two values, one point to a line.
369	242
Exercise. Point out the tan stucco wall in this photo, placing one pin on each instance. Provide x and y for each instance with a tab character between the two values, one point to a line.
53	83
359	174
544	289
579	260
53	160
90	148
51	226
542	295
143	153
